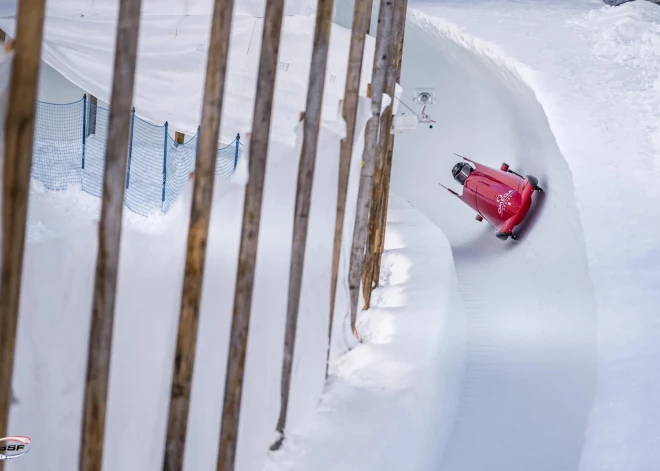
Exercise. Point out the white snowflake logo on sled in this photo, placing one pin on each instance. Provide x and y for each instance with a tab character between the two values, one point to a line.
503	200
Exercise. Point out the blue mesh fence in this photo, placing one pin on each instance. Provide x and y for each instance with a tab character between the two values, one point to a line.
69	149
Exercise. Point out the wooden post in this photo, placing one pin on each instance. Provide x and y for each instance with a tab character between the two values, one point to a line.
107	264
311	126
247	258
361	20
198	234
93	106
179	137
382	60
373	228
400	22
18	138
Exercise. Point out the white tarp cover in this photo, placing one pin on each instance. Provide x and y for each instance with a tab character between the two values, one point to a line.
79	40
170	7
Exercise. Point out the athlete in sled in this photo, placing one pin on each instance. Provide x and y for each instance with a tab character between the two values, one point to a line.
501	197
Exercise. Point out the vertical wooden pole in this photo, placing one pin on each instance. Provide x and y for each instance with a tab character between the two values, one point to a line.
382	60
19	132
179	137
311	127
105	284
361	20
200	213
247	258
401	29
374	230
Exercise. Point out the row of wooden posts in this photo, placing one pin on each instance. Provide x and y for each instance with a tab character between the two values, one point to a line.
369	230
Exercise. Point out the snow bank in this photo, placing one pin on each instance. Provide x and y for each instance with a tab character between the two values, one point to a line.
391	401
56	302
629	36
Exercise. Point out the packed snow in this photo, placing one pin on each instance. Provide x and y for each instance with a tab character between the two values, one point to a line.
562	332
539	354
592	71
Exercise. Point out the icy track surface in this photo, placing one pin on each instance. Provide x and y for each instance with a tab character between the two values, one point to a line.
567	91
531	370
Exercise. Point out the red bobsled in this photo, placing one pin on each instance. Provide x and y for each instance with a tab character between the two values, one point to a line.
501	197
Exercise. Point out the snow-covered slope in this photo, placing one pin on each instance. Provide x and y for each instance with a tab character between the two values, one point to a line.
562	325
391	402
56	305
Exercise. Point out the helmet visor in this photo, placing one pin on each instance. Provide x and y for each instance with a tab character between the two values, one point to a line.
461	172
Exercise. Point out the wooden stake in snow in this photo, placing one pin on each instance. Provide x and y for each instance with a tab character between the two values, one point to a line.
361	20
400	21
375	230
107	264
311	126
247	257
198	234
382	60
18	138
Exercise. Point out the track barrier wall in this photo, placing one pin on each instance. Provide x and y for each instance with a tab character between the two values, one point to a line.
69	149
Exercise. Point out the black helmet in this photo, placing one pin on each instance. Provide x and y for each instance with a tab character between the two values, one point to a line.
461	171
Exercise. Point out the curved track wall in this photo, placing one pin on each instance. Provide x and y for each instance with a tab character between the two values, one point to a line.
531	371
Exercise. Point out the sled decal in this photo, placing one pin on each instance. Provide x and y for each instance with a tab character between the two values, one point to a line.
503	200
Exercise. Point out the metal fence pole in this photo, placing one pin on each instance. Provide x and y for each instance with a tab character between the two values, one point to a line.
238	143
164	164
109	238
130	148
84	128
18	141
198	231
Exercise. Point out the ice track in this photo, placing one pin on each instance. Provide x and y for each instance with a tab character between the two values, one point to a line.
530	369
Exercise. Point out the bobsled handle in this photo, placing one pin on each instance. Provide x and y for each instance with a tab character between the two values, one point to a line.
465	158
477	165
448	189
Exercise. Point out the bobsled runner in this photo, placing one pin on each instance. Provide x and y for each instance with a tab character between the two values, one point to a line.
501	197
